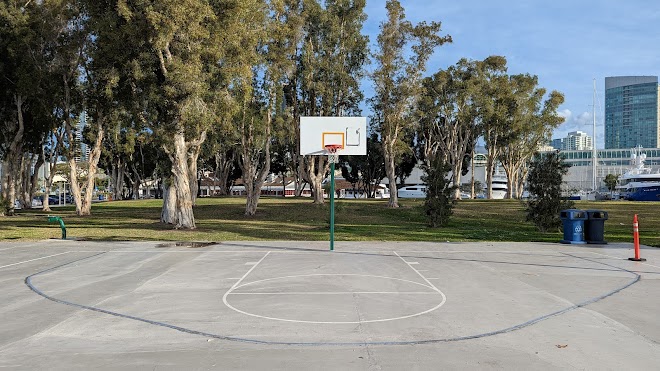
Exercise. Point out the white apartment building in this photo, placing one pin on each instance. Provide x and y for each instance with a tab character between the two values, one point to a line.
574	141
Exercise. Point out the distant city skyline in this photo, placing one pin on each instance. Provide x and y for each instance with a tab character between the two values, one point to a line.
567	44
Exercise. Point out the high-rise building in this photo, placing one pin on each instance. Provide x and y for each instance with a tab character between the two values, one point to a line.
574	141
631	112
557	143
577	141
83	155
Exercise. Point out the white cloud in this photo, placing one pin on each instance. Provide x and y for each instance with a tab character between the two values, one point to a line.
581	122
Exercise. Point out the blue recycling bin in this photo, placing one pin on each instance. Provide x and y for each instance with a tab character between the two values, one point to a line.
573	223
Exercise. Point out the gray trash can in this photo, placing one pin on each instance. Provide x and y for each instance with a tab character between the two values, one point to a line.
573	223
594	227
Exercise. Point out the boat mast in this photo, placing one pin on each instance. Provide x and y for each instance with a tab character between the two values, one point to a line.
593	154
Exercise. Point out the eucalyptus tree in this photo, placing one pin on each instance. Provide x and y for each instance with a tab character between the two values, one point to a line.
21	68
51	44
449	117
532	120
495	104
82	94
401	58
254	124
288	18
262	110
179	60
331	64
16	82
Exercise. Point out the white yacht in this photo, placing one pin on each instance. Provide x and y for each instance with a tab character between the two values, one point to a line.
416	191
638	183
499	187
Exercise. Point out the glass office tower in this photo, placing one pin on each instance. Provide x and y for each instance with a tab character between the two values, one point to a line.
631	112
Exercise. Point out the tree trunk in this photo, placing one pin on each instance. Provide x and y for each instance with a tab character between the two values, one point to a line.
223	167
74	187
253	176
192	151
168	213
315	169
25	181
253	192
490	170
251	183
472	195
14	153
299	183
317	192
456	174
117	178
113	180
493	153
193	176
510	180
521	180
94	156
35	177
185	217
121	169
52	161
390	171
4	180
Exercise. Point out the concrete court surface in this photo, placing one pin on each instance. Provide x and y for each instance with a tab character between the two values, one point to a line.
296	305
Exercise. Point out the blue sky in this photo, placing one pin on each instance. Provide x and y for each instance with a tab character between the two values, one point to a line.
566	44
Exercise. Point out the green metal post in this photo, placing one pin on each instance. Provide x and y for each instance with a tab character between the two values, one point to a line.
332	206
52	219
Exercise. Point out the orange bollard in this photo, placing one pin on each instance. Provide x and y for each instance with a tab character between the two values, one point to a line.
636	240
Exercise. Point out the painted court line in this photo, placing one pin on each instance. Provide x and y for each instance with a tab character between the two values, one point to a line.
165	251
9	248
335	293
245	275
31	260
540	252
421	275
616	257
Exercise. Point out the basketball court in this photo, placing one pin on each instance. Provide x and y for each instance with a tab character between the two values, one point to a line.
299	305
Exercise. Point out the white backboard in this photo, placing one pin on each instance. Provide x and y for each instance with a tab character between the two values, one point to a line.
316	132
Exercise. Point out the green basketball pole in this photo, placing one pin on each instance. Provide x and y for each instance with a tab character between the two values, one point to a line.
332	205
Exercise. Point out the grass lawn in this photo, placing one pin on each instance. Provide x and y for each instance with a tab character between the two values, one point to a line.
222	219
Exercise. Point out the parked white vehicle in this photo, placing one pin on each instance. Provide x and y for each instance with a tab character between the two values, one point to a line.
382	191
418	191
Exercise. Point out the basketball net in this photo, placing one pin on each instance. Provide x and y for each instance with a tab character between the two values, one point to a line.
333	156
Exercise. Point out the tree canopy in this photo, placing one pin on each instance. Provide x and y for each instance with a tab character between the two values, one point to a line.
174	90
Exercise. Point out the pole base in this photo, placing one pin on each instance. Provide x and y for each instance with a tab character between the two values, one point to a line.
637	260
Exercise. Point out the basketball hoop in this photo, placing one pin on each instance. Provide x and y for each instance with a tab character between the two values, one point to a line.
333	156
